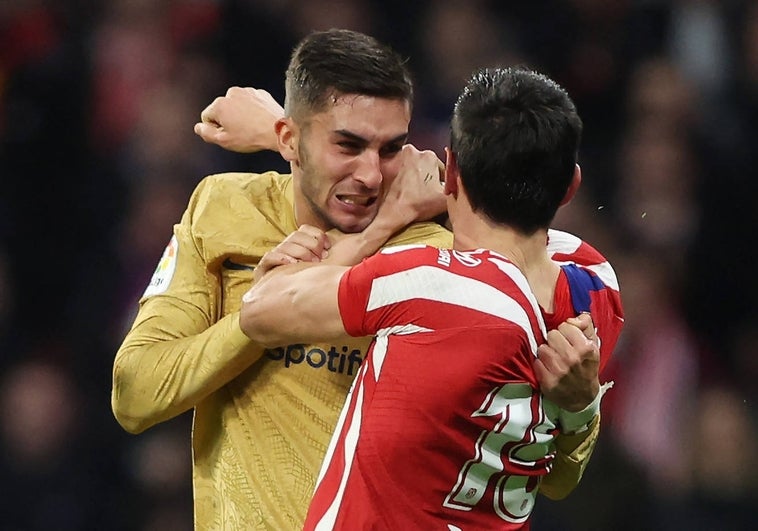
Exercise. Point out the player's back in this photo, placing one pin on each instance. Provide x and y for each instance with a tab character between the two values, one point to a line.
445	423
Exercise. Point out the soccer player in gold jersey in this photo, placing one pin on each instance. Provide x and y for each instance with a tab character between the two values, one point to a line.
263	417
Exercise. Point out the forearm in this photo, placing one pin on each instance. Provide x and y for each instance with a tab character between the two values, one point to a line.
156	377
294	303
350	249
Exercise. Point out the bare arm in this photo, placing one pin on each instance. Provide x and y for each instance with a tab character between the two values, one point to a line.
241	121
414	194
294	303
308	295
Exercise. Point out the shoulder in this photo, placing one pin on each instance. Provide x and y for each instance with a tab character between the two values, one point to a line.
408	251
426	232
396	259
222	186
566	248
240	195
248	211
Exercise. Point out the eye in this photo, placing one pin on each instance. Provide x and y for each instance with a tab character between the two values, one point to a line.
390	150
351	147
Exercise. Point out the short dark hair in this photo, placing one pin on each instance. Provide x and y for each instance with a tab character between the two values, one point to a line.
337	61
515	134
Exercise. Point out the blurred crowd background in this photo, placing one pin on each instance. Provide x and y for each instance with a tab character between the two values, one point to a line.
98	158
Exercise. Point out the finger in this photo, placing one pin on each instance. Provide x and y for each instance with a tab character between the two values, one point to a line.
310	230
314	238
577	344
552	360
300	252
583	321
304	246
207	132
559	339
276	258
269	261
310	239
573	334
262	94
210	113
545	378
232	90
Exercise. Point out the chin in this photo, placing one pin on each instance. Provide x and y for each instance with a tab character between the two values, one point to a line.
353	226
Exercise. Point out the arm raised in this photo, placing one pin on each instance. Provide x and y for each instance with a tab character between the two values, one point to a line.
241	121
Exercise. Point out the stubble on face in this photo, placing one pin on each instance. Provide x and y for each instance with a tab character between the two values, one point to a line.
310	177
336	152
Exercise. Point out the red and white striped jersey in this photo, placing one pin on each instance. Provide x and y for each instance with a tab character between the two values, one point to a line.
587	283
444	427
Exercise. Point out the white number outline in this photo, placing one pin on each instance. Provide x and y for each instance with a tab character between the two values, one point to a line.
521	436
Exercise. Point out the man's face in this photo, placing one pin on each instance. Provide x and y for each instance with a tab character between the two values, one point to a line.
345	156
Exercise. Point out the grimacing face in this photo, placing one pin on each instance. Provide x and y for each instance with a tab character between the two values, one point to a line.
346	155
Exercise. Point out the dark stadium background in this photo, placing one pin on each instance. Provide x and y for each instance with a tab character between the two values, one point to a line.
98	158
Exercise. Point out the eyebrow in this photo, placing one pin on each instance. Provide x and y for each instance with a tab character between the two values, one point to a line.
357	138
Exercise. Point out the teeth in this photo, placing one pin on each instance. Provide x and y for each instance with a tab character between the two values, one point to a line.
355	200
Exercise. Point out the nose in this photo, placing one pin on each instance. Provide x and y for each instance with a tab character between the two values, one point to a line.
369	170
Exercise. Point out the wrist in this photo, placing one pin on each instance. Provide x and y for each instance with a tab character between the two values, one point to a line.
573	422
350	249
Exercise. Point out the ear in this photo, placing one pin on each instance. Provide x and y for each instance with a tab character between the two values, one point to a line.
287	136
451	173
576	180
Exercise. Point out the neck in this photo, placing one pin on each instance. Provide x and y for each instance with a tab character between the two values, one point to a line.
528	253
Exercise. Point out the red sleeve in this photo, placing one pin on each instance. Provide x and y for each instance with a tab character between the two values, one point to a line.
357	287
352	297
604	298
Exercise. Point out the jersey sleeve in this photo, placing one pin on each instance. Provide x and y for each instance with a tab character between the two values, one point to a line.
363	306
178	351
594	287
572	455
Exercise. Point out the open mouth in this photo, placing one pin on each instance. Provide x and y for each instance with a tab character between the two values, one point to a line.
357	200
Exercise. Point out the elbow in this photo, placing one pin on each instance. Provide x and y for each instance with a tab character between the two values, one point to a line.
126	418
127	408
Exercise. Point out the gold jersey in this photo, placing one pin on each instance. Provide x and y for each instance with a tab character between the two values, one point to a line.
263	418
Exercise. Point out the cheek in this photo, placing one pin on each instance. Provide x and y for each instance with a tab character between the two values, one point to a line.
390	167
327	170
337	166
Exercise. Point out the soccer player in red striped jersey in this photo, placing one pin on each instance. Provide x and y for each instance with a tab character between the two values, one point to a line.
446	426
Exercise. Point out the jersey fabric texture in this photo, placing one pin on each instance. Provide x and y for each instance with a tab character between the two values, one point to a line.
587	283
445	425
260	428
263	418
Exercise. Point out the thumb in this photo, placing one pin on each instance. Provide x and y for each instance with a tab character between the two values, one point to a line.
207	132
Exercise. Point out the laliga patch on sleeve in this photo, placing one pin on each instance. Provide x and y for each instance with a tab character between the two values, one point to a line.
165	270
